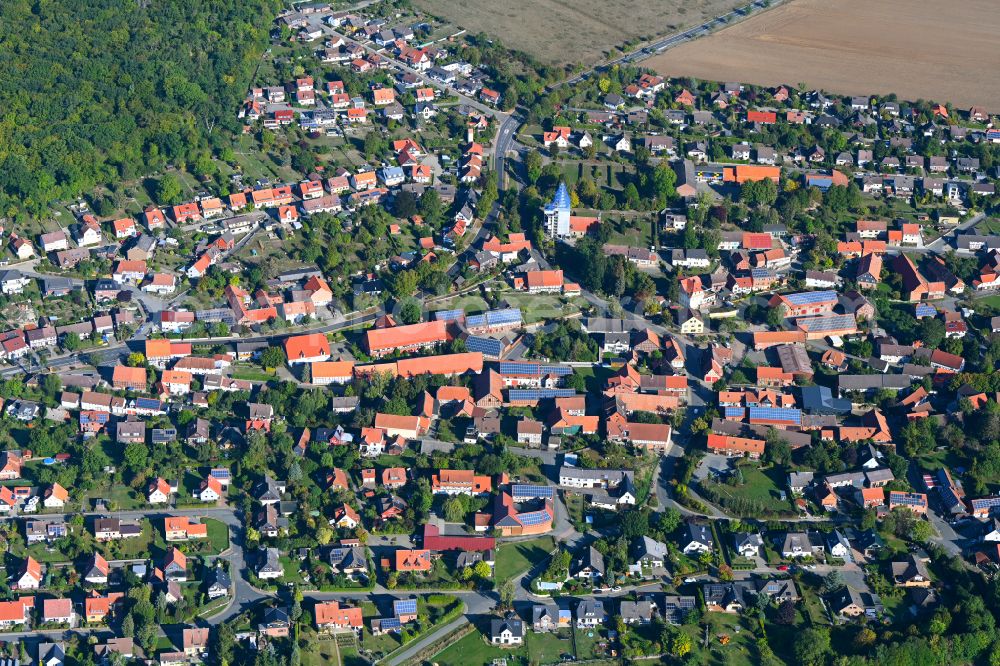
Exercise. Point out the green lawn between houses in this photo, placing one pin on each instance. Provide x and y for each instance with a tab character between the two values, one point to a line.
761	487
514	559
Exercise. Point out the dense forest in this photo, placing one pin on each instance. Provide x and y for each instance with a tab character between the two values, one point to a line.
99	91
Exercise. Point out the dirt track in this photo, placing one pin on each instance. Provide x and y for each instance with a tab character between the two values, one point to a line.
946	52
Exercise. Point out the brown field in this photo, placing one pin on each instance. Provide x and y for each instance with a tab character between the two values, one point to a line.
946	52
574	31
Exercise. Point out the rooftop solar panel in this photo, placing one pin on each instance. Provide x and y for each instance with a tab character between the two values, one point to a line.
519	490
528	368
776	414
389	623
505	316
404	606
487	346
533	517
539	394
810	297
448	315
759	273
832	323
734	412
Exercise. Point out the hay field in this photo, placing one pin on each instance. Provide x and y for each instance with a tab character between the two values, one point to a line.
574	31
915	48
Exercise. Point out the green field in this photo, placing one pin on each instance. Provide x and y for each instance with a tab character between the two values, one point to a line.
540	307
322	653
610	176
218	535
473	650
514	559
548	648
761	487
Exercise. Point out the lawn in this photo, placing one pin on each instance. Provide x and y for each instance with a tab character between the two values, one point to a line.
218	535
473	650
514	559
322	653
548	648
992	301
590	643
292	572
574	507
539	307
740	651
812	606
759	492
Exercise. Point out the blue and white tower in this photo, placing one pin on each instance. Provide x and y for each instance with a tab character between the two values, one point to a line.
557	213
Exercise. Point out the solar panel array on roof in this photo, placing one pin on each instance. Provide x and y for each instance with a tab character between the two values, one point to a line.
148	403
776	414
220	473
495	317
911	499
733	412
520	491
448	315
950	498
534	518
810	297
486	346
759	273
537	369
833	323
925	310
505	316
387	623
539	394
404	606
985	502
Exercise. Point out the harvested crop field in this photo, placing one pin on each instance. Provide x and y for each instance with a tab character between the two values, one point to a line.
914	48
574	31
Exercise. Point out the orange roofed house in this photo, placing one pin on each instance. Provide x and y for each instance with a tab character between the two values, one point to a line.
460	482
332	616
736	446
742	173
395	425
540	282
382	341
413	560
133	379
309	348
